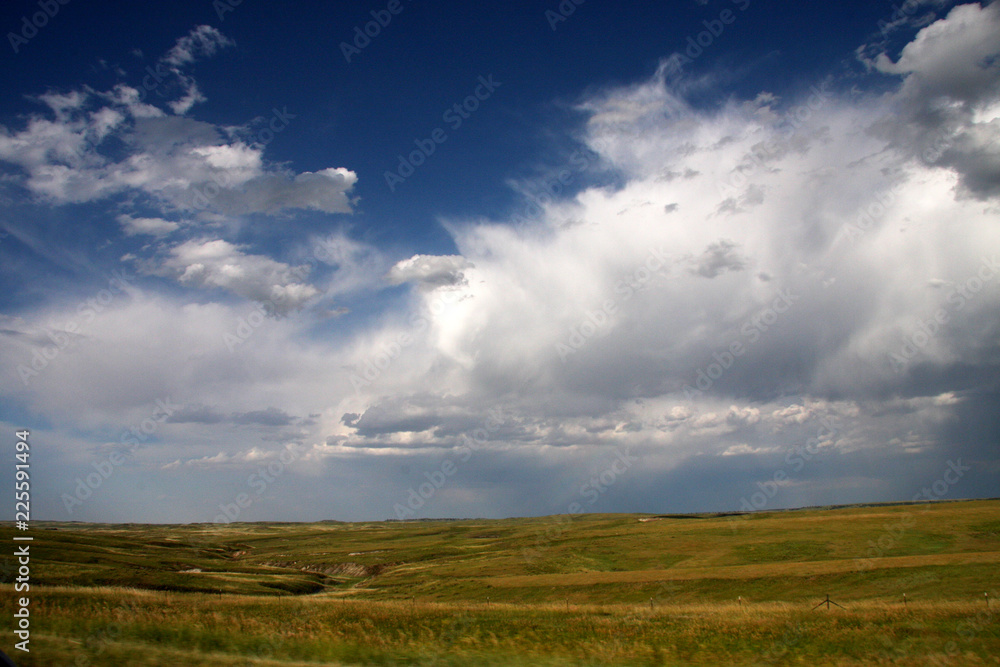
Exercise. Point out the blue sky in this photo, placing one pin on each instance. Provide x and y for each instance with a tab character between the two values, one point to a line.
533	259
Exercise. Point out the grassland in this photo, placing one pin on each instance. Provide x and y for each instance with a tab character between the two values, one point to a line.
580	590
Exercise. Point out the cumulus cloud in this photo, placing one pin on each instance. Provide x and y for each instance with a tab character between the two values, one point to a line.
326	190
953	58
951	84
217	263
718	258
181	163
840	235
430	270
149	226
758	278
203	41
804	177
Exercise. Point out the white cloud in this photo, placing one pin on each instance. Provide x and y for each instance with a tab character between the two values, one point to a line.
150	226
183	164
718	258
628	291
192	95
745	416
356	265
202	42
326	190
430	270
745	278
743	449
953	58
951	83
216	263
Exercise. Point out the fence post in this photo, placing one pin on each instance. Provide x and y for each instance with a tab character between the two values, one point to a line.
827	602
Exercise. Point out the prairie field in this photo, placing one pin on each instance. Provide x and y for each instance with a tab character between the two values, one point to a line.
569	590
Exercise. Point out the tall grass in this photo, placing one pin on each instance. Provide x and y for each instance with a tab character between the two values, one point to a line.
110	626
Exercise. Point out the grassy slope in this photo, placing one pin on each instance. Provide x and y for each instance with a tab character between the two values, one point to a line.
560	590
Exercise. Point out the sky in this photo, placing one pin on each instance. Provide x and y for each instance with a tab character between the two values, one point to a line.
407	260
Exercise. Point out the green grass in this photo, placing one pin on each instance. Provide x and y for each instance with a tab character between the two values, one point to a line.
582	590
786	550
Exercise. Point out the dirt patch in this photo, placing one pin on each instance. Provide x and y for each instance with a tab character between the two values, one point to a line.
334	569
